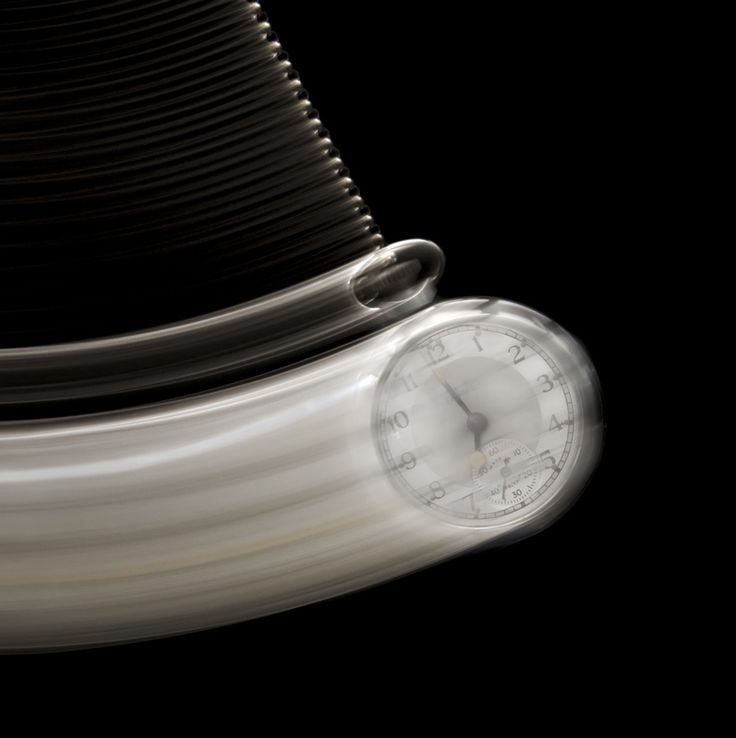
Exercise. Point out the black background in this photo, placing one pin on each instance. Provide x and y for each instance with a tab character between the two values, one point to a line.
502	137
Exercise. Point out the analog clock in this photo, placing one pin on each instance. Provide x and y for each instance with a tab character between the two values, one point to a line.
490	417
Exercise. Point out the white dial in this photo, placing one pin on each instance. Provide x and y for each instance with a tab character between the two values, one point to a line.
478	421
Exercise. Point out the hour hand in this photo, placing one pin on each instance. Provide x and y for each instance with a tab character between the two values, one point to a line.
477	424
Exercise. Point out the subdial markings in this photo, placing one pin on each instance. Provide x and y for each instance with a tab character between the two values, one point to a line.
511	472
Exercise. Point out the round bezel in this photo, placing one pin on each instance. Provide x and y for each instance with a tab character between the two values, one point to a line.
566	358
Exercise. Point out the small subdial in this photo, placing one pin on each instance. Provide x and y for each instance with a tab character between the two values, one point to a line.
507	475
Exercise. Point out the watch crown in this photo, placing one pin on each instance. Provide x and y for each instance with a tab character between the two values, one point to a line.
399	272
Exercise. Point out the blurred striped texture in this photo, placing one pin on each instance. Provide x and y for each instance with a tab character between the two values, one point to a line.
158	160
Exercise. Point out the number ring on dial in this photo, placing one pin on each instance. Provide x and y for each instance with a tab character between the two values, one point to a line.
507	355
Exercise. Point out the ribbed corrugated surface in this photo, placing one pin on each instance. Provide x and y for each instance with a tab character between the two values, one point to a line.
158	160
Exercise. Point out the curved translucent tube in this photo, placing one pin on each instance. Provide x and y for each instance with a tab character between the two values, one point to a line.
229	345
208	510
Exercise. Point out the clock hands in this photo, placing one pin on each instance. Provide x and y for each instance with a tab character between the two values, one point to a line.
476	422
452	393
505	472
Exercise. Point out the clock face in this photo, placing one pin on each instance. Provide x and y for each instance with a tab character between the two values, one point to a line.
479	422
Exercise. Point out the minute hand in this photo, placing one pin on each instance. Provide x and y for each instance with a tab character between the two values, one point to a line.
476	422
452	393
